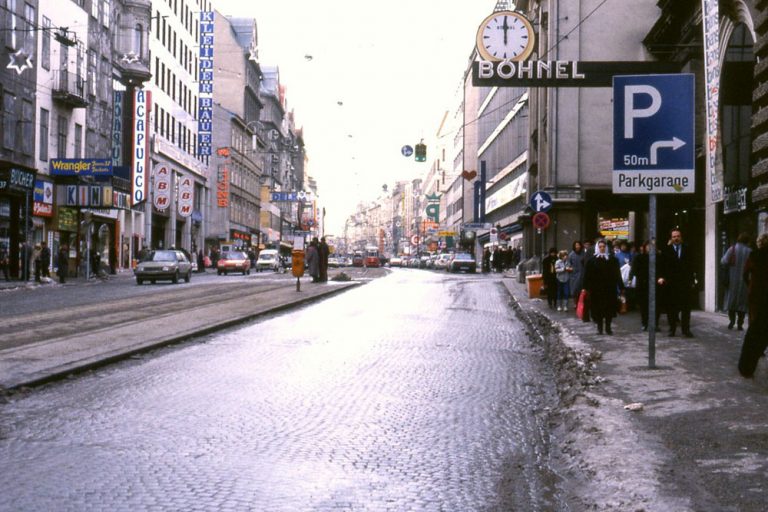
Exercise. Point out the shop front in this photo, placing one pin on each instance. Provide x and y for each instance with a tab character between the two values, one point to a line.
16	197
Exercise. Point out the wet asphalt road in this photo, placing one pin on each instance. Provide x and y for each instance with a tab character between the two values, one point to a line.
418	391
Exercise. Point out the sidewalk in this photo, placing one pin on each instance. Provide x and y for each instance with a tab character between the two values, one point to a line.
54	280
51	358
699	439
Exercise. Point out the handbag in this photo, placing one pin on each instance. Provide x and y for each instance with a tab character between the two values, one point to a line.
623	306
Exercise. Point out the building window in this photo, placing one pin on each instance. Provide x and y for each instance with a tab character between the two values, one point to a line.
105	8
95	9
91	73
61	139
78	140
44	120
45	43
30	26
11	24
27	127
138	40
9	121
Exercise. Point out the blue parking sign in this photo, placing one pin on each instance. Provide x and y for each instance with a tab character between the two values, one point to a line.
653	134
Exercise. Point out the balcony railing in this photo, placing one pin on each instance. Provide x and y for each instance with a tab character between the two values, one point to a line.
69	88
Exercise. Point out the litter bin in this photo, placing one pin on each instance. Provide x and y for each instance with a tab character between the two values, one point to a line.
534	285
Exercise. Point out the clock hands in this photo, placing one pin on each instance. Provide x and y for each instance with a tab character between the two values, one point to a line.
505	27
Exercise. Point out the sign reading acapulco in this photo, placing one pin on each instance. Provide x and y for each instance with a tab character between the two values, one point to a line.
142	103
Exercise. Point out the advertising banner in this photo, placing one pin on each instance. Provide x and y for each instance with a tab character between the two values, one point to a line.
185	199
142	107
162	192
711	24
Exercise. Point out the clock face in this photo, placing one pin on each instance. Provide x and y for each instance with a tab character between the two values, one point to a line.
505	35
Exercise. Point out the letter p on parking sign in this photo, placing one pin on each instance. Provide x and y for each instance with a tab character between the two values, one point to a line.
653	134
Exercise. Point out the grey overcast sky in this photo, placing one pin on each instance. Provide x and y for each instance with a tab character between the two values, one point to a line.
364	79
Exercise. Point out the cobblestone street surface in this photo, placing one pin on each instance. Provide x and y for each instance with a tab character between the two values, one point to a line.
417	391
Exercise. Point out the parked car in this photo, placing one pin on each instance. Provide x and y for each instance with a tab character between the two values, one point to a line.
462	262
395	261
334	262
268	260
233	261
164	265
358	260
442	261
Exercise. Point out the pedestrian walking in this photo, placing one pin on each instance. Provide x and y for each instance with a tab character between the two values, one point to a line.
144	253
549	277
486	260
756	337
563	272
736	296
63	262
45	260
639	275
576	260
4	260
313	260
602	280
323	251
36	261
201	261
677	282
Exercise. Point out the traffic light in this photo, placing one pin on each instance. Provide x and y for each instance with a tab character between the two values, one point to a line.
468	239
421	152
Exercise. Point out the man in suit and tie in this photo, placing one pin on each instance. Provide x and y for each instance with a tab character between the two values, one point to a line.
676	279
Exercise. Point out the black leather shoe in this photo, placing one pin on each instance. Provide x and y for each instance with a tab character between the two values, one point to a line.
688	334
730	325
671	333
608	330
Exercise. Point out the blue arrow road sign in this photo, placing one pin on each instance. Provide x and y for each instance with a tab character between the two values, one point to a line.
406	150
541	201
653	134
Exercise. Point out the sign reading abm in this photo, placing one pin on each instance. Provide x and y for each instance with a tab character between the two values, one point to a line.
653	134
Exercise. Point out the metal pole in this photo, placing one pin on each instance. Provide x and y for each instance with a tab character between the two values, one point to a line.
652	282
27	242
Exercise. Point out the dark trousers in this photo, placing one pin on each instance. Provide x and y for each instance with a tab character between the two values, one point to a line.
682	308
551	292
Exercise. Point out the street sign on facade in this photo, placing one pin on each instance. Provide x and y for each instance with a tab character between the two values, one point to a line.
540	220
476	225
541	201
653	134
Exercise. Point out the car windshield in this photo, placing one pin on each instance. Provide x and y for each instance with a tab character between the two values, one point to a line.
464	257
164	256
266	257
233	255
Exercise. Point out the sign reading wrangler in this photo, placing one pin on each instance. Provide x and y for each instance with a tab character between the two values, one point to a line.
653	134
81	167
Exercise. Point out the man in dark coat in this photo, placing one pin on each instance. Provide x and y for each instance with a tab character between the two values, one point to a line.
756	337
323	251
45	259
549	277
676	279
602	280
63	262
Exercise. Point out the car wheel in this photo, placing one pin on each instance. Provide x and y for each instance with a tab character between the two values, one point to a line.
188	276
218	272
152	281
175	279
139	281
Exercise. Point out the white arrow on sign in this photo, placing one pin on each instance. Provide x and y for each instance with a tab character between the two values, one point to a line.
541	203
675	144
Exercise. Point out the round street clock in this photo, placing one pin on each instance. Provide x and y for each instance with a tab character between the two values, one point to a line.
505	35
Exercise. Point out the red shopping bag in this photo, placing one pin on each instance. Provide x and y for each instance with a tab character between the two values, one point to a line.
582	306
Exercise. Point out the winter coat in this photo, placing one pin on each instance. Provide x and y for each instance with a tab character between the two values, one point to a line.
602	280
313	261
756	275
576	261
561	271
737	295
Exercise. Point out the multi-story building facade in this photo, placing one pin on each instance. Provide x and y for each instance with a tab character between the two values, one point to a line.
236	165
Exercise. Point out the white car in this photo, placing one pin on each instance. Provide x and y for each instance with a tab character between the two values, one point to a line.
267	260
442	261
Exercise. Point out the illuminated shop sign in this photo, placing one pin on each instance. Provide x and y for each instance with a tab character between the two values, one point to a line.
81	167
186	191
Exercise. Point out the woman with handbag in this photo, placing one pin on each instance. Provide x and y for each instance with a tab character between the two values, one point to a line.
602	280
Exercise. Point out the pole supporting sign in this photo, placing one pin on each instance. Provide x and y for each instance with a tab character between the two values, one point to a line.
653	134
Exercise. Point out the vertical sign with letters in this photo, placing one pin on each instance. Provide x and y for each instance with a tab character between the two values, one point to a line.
142	103
711	23
117	129
205	81
184	201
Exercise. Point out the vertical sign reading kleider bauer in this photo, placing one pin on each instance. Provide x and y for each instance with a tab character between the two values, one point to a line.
711	24
142	103
205	80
